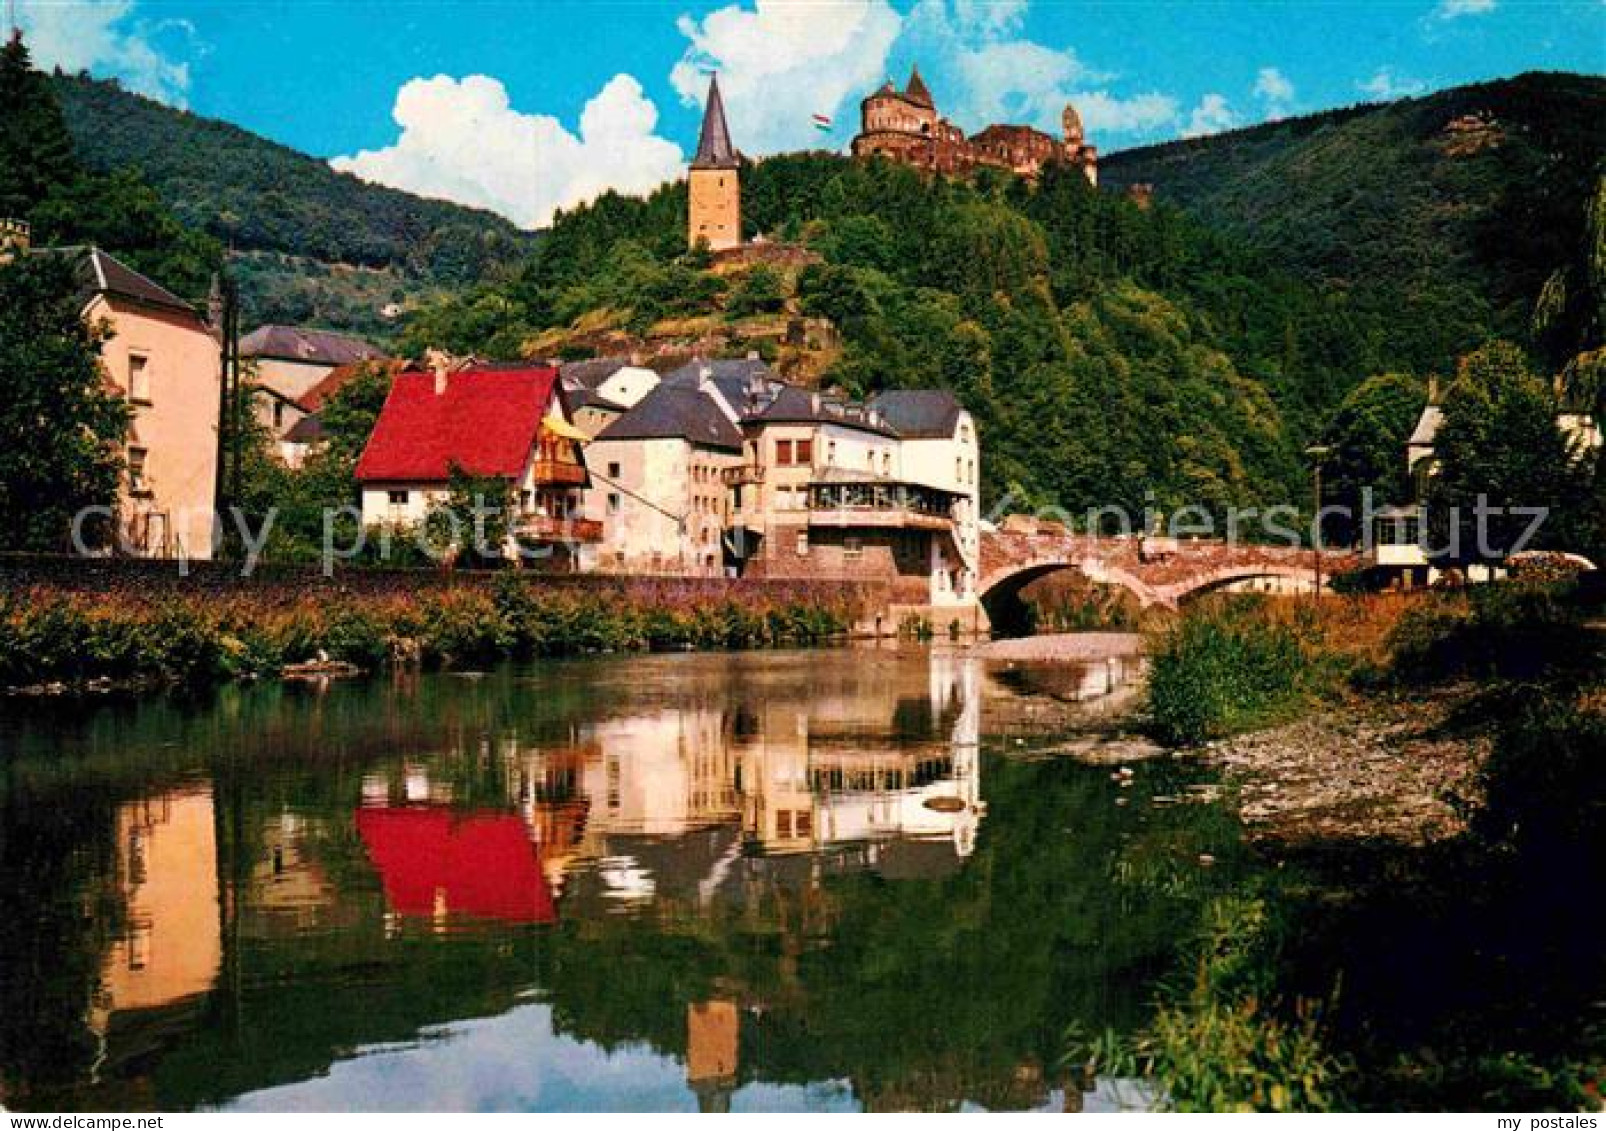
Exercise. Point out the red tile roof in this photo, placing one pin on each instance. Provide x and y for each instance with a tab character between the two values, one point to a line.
485	422
338	378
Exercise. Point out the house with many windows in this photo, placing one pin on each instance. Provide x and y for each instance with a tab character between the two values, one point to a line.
163	358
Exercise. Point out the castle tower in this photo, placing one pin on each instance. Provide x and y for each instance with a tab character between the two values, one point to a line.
715	212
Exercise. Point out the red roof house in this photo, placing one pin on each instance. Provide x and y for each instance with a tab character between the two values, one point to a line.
482	420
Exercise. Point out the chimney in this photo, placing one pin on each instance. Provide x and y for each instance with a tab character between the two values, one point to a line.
15	239
440	363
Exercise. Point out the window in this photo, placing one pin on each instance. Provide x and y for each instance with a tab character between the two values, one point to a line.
830	453
805	451
613	471
278	414
959	469
783	823
613	502
139	378
802	822
972	476
136	472
398	498
886	463
802	543
852	547
783	451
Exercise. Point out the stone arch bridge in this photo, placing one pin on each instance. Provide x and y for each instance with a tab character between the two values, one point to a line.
1158	571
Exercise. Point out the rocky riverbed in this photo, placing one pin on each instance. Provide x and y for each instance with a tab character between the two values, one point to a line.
1384	769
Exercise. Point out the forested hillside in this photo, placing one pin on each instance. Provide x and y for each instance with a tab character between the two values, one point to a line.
1107	351
315	245
1443	216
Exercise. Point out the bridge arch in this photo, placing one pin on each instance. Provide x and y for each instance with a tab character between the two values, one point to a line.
1000	591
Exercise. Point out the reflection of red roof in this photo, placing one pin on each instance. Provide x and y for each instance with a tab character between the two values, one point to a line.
485	422
480	863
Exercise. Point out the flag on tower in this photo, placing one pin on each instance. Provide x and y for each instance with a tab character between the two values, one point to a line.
822	123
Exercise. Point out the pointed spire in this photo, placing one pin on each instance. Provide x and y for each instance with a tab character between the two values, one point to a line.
714	149
916	90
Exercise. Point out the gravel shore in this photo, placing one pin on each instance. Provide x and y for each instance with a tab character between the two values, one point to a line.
1381	769
1074	647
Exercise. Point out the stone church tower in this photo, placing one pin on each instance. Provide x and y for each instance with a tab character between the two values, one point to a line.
715	212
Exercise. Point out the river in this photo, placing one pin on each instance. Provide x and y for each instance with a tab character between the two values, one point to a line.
832	879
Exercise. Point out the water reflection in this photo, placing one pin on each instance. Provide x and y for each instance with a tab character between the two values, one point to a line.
666	882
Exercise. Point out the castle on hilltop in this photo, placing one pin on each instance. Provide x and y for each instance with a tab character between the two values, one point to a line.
904	126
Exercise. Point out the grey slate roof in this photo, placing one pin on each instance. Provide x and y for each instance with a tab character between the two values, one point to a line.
735	378
316	347
101	274
714	149
593	371
919	413
676	412
798	406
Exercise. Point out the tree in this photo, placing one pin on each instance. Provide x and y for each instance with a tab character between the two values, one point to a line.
1367	436
475	519
36	151
1500	451
65	422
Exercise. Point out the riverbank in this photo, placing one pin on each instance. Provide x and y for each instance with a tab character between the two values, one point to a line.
1423	775
54	641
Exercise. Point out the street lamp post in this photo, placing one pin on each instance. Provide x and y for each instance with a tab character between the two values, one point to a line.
1317	452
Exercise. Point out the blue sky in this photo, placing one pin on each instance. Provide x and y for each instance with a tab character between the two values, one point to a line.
527	106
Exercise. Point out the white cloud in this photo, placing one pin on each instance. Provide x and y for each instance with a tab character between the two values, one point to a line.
106	38
1386	86
782	61
462	140
1455	9
1275	92
983	72
1212	115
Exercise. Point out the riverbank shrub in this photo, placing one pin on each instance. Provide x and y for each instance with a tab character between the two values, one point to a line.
1510	630
1223	669
73	638
1224	1038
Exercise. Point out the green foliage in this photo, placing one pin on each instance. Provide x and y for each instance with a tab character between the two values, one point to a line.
197	640
1227	1041
261	196
1542	783
1509	629
1224	668
1354	200
760	291
36	151
475	518
67	424
1499	446
1367	437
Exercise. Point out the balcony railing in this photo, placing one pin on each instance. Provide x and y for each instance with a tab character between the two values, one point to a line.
881	504
557	471
740	476
545	528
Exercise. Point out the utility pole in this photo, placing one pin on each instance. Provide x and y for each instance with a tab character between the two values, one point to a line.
1317	453
224	308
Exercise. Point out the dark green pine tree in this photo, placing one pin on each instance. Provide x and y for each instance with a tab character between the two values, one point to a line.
55	395
36	151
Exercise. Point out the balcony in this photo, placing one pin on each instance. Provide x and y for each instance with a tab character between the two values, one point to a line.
881	504
545	528
743	475
549	472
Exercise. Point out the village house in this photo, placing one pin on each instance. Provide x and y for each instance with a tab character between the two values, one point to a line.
601	390
904	126
163	358
1398	532
660	482
287	363
483	420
